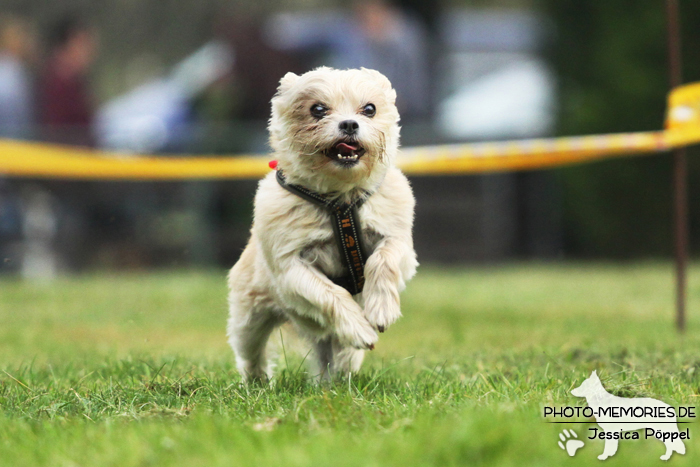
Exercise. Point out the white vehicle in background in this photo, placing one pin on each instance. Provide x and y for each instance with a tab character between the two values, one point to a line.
494	84
155	115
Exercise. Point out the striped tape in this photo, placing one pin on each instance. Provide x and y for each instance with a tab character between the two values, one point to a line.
37	160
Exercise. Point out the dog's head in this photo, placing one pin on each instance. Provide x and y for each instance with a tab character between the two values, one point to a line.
589	387
335	130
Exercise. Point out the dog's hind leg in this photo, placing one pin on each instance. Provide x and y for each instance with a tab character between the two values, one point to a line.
324	358
248	335
334	358
346	359
609	449
676	445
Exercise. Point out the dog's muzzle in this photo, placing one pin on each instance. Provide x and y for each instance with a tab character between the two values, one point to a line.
345	153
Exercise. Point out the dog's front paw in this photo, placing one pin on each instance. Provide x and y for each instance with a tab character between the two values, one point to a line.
381	310
353	330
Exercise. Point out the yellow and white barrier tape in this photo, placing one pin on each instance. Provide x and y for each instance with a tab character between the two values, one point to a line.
37	160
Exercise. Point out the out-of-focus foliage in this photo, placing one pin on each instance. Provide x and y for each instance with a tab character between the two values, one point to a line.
611	62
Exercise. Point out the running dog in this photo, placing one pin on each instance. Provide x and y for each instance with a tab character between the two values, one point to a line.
331	243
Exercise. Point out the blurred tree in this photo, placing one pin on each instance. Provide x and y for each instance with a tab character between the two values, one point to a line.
611	61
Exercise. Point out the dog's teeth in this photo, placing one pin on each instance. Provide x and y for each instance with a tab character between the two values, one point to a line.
346	157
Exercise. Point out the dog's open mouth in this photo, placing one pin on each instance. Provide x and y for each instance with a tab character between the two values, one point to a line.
345	153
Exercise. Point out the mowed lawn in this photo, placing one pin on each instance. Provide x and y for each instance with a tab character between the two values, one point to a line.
134	370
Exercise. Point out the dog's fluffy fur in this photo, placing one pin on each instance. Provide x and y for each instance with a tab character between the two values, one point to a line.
283	273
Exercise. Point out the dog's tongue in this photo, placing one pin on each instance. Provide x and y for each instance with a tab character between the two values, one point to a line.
346	149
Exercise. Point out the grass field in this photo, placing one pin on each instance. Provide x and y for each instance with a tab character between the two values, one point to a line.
134	370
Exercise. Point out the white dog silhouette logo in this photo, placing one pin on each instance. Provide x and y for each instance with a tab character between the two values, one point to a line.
617	415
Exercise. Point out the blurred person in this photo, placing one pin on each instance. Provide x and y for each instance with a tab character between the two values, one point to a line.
57	234
17	47
378	35
258	67
389	40
65	101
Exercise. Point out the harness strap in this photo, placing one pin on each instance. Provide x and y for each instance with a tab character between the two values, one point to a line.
346	227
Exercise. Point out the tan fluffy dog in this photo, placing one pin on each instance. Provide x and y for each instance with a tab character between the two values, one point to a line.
334	132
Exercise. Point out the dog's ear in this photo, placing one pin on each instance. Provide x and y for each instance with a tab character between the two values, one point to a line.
287	82
594	374
378	77
383	82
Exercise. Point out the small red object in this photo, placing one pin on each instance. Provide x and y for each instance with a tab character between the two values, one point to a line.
272	164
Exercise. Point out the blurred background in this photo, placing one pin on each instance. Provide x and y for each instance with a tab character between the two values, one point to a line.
196	77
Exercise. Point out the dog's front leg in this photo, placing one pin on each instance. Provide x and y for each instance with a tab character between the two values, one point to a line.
384	279
337	307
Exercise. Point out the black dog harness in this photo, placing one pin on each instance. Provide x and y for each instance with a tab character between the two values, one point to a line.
348	234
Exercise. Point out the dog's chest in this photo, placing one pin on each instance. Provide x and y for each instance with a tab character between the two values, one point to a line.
324	253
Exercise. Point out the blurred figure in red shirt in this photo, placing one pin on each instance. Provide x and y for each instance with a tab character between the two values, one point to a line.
65	101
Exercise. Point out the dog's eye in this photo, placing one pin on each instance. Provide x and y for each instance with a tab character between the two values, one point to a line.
369	110
319	110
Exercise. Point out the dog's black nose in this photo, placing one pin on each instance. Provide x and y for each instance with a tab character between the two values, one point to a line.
349	127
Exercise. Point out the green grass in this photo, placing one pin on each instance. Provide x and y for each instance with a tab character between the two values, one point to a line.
134	370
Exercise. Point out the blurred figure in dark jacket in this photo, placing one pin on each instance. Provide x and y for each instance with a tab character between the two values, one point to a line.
65	115
388	39
17	48
375	34
65	101
258	67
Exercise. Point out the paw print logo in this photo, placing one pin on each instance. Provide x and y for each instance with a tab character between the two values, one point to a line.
349	241
569	443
